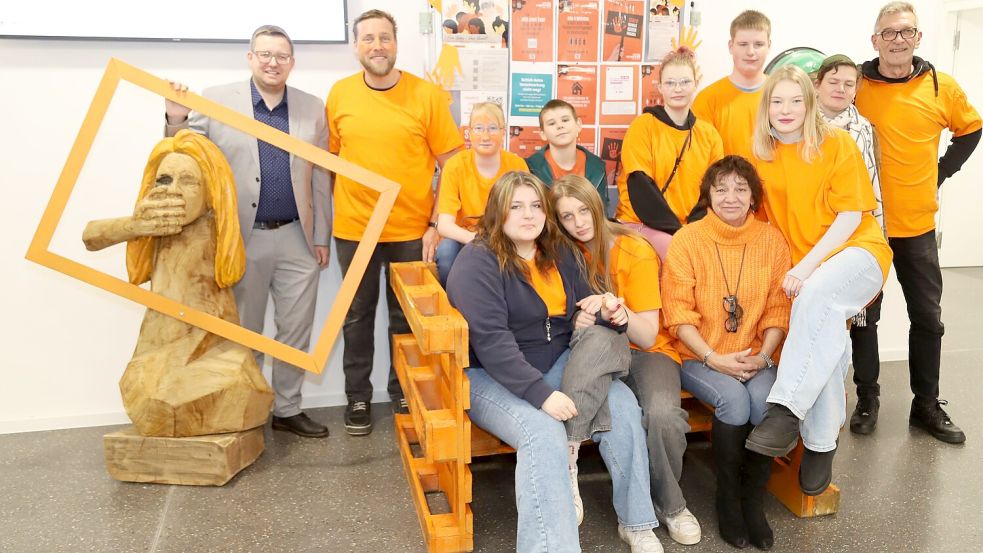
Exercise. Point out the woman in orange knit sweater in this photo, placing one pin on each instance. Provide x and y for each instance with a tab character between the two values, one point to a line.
623	262
727	348
818	194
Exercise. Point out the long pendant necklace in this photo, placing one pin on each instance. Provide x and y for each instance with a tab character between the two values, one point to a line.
731	306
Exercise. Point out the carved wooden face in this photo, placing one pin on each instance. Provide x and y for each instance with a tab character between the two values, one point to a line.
181	177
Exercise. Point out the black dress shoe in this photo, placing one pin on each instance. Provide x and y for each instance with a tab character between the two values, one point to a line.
301	425
816	471
777	434
864	417
930	416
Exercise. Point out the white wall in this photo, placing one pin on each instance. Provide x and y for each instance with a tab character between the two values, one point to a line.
68	342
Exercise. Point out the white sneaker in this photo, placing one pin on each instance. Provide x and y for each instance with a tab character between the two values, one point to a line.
641	541
578	504
684	528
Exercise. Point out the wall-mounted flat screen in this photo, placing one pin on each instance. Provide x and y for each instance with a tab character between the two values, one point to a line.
321	21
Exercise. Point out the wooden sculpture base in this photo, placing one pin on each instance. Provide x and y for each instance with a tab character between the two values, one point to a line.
194	461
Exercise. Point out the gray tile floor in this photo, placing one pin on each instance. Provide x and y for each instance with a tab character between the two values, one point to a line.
902	490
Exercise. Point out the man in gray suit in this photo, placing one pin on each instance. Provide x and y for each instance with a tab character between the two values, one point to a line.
284	207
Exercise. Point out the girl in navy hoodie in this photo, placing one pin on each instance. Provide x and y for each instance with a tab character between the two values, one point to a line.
517	284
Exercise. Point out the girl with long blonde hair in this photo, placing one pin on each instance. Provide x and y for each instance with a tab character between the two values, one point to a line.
818	194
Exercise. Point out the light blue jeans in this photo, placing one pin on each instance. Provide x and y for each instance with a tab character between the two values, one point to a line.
817	351
734	402
445	255
547	521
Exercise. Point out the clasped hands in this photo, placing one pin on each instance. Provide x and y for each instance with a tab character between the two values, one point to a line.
738	364
611	308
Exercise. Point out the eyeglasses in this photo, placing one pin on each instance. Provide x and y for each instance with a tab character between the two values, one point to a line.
734	313
890	34
677	83
265	56
480	129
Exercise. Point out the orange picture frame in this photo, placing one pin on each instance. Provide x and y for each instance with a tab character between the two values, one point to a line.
117	71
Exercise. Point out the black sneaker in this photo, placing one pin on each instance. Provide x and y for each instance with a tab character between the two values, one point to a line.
930	416
864	417
358	418
400	406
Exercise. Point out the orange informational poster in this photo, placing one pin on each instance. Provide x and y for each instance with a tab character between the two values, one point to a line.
650	86
619	94
610	152
623	30
525	141
577	27
532	30
587	137
577	85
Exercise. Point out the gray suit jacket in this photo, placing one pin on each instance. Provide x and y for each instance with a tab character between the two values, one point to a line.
312	184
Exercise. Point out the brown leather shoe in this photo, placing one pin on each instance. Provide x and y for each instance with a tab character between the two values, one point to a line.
301	425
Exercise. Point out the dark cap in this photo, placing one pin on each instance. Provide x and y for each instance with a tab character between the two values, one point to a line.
829	63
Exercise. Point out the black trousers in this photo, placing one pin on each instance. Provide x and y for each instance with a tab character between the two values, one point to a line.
359	327
916	262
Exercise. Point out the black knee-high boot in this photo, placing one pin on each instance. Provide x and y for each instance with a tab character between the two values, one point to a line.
728	456
757	471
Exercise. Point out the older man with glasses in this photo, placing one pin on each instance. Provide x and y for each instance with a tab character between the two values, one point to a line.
910	104
284	207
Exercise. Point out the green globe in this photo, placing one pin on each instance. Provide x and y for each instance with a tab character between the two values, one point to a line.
805	58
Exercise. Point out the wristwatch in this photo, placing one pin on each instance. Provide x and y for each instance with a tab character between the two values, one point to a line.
768	362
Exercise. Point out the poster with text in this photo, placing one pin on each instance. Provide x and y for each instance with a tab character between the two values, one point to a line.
610	152
662	30
651	96
577	27
532	30
587	138
577	85
525	141
619	94
486	22
624	22
530	91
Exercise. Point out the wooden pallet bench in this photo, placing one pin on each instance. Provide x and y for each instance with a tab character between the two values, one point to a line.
437	440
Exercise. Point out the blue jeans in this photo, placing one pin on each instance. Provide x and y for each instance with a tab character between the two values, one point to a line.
735	402
547	521
447	251
817	350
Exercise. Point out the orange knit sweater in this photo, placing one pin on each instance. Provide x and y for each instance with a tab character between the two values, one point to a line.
693	286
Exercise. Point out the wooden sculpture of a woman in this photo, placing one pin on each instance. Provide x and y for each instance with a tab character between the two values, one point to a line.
184	237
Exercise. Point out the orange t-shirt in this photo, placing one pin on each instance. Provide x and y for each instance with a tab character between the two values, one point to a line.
635	276
909	119
579	167
732	111
549	287
464	192
652	146
397	133
802	199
